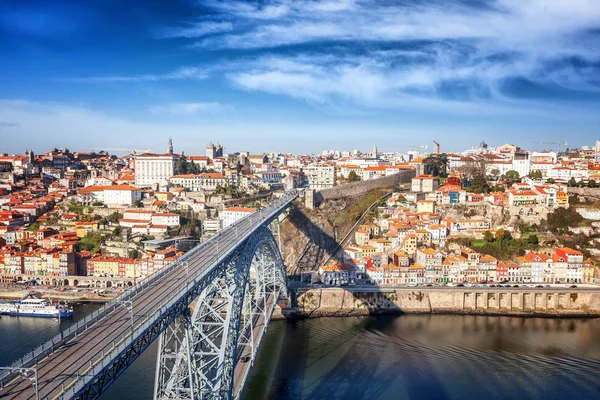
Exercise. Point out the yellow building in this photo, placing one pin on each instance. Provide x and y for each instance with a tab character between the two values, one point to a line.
562	199
85	228
366	251
588	271
426	206
164	196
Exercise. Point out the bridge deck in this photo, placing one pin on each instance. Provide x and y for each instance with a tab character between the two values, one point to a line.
76	356
242	369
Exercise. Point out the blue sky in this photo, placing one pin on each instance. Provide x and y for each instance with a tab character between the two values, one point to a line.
297	76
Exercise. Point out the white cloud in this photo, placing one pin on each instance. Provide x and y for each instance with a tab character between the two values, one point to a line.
384	53
190	109
502	24
178	74
196	29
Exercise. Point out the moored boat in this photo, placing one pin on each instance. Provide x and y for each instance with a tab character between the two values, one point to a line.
36	308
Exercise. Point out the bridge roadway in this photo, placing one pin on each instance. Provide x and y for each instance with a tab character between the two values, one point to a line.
61	369
242	369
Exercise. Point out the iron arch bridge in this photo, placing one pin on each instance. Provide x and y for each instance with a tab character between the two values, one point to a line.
209	312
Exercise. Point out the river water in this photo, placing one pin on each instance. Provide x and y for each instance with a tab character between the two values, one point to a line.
384	357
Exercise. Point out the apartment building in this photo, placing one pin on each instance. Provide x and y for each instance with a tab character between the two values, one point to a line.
152	169
320	176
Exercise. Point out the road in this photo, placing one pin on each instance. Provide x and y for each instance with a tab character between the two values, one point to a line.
242	369
383	288
78	355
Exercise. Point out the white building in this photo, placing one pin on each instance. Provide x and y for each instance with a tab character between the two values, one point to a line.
168	219
204	181
230	215
522	166
111	195
151	169
320	176
211	225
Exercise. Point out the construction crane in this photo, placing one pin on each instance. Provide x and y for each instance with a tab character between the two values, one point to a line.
437	147
558	144
424	146
134	151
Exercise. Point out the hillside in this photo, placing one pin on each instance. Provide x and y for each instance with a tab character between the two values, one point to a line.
309	236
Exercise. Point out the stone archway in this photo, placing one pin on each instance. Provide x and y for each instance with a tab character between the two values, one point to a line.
75	282
108	284
66	282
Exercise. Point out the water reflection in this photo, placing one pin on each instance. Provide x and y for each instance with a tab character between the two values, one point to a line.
429	357
406	357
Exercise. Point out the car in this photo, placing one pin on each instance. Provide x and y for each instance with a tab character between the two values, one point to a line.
573	286
507	286
492	285
460	285
515	285
539	287
429	285
245	359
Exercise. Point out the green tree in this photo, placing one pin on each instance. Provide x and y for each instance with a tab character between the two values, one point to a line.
550	180
533	239
572	182
193	168
114	217
592	183
181	167
443	164
500	234
353	177
535	174
511	176
479	184
488	236
563	218
137	204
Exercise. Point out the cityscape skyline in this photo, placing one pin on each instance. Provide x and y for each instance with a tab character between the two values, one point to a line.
286	73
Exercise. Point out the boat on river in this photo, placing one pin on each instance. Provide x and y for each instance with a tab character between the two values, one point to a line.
32	307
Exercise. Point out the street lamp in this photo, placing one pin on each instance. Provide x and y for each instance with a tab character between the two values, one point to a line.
129	305
26	373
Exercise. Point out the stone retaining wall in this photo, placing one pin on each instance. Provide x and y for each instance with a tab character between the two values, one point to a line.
338	301
314	198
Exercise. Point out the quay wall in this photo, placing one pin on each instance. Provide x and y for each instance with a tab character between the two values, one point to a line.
517	302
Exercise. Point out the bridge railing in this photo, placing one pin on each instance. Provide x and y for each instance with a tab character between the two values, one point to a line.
82	325
119	346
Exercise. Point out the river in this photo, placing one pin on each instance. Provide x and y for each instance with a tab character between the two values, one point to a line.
396	357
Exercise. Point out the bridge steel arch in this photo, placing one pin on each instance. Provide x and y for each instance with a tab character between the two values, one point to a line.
198	353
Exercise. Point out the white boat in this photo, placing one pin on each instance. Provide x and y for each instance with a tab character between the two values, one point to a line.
35	308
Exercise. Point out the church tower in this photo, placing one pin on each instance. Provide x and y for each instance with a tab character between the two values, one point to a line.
170	148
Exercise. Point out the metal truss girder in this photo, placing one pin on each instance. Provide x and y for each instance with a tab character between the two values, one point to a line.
222	320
